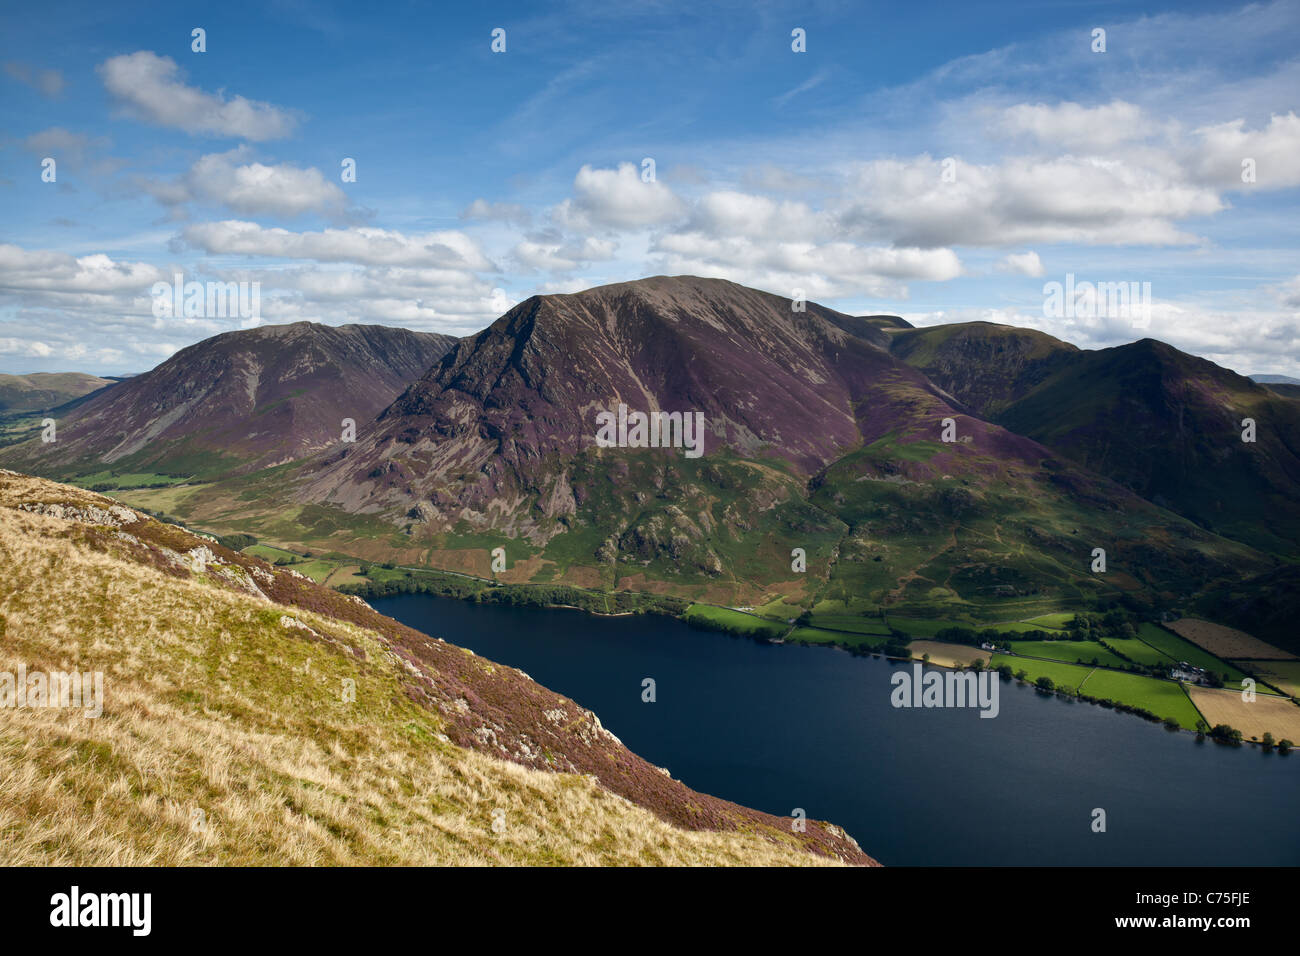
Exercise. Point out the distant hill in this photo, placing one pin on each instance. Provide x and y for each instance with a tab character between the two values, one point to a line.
242	399
983	365
1275	379
41	391
1168	425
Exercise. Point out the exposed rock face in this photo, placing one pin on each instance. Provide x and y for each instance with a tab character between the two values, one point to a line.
254	397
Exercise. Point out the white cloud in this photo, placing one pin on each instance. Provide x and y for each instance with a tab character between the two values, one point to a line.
618	199
1022	263
1218	154
150	87
252	188
365	245
1071	126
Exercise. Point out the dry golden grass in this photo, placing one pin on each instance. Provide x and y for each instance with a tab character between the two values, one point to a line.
1275	715
949	655
1226	642
225	739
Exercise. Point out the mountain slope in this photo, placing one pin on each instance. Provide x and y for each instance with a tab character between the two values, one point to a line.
40	391
1169	426
818	439
249	398
984	366
228	735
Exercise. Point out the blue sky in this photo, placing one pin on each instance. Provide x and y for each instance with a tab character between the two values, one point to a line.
483	177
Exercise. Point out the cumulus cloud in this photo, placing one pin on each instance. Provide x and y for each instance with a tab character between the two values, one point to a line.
619	199
1022	263
1071	126
252	188
151	88
365	245
548	252
45	270
1220	150
1087	200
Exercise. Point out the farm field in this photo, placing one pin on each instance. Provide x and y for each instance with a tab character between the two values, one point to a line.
1226	642
850	622
1138	650
1285	675
1056	621
1183	650
1072	652
1024	627
949	655
1063	675
734	622
1162	697
815	635
1275	715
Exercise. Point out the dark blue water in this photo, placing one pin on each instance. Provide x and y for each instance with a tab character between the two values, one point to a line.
780	727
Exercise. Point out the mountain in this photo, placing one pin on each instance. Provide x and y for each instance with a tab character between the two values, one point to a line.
251	717
1169	426
1165	424
816	438
1275	379
239	400
41	391
983	365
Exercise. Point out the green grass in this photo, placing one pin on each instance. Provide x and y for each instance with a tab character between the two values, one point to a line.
1161	697
1183	650
850	622
1072	652
1063	675
920	628
1140	651
733	622
1054	621
813	635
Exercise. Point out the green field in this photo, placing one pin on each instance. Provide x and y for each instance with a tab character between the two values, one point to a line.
814	635
1024	627
921	628
1161	697
1063	675
734	622
1072	652
850	622
1051	621
1140	651
1183	650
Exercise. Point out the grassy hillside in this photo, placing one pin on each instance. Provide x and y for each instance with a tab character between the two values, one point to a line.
226	736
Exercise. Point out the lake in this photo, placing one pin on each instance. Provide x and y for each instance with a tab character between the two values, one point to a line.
779	727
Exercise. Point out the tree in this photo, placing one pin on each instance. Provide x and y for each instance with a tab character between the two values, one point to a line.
1267	741
1284	746
1045	683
